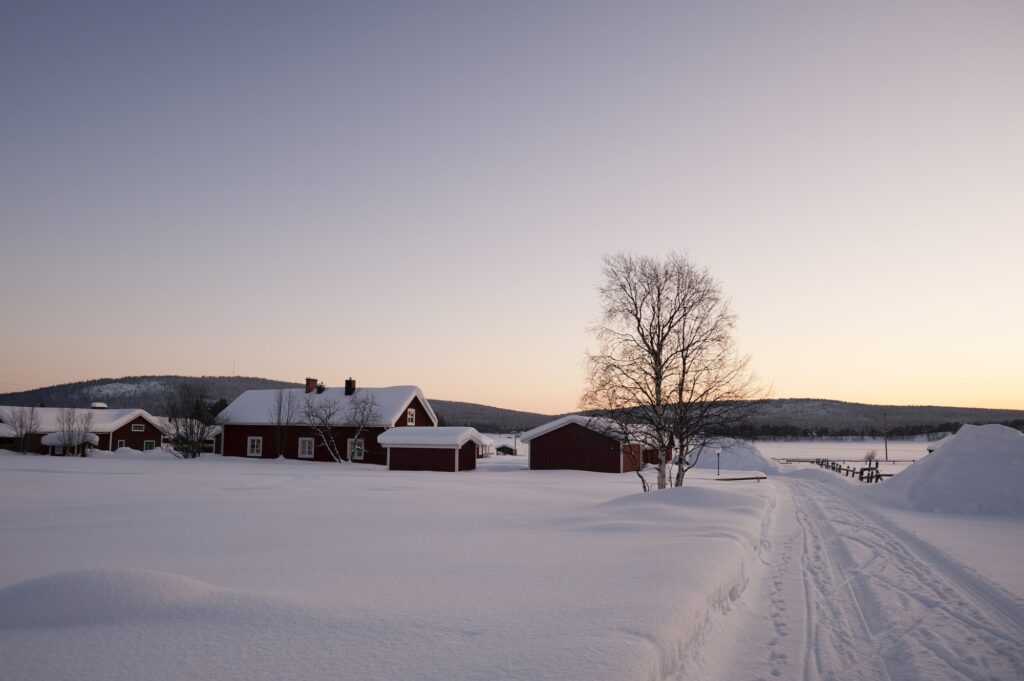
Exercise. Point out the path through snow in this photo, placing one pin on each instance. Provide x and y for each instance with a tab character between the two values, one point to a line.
851	596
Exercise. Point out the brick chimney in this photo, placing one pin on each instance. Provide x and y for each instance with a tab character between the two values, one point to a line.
310	385
350	386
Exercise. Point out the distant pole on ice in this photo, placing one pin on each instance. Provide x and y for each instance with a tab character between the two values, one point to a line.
718	460
885	436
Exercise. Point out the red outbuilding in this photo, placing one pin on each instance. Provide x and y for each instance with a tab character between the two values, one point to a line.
448	448
582	443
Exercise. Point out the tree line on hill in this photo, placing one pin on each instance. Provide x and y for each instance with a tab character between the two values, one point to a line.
773	419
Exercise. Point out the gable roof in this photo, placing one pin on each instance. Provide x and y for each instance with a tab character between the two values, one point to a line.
103	420
637	433
443	436
254	407
594	423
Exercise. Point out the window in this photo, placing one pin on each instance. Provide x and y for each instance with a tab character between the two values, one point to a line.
356	450
138	427
148	445
255	447
410	417
59	449
305	448
120	443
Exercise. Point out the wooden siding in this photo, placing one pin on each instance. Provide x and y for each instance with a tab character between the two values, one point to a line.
422	417
236	438
467	456
423	459
573	447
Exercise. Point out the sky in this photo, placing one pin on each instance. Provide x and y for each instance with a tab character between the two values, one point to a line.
421	193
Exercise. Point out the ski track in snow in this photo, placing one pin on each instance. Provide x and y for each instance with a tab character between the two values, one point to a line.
850	596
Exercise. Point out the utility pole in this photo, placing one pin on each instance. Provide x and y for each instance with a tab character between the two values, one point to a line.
885	436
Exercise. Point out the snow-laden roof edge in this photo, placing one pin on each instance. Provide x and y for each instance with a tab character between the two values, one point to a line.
104	420
429	438
597	424
60	439
254	407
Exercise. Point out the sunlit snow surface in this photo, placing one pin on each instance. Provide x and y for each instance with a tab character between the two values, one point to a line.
142	566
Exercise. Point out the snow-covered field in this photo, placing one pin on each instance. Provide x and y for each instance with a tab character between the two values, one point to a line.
147	567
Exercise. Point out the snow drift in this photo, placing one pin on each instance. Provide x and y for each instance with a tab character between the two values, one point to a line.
978	470
89	597
737	455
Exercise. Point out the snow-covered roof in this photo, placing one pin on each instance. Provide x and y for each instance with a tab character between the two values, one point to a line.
597	424
442	437
103	420
68	440
255	407
7	431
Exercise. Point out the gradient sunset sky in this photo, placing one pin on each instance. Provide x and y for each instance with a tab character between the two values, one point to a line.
422	192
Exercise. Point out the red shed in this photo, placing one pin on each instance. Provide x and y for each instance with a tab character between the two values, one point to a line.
447	448
582	443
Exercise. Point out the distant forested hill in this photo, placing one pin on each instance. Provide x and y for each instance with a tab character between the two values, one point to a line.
775	418
144	392
486	419
803	417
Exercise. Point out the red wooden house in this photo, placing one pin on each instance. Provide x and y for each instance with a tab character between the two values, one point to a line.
114	428
266	424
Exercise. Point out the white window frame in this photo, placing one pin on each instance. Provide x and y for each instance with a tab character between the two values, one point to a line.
410	417
356	453
256	452
312	446
151	443
120	443
138	427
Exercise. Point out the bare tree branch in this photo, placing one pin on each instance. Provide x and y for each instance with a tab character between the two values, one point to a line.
190	419
25	422
666	365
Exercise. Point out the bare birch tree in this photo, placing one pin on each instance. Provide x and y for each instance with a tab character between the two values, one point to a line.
283	414
666	365
74	426
323	414
25	422
191	420
363	412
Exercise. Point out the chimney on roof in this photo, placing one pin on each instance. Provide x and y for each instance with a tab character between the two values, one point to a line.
310	385
98	405
350	386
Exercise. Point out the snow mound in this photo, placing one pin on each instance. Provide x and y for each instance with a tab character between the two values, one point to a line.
737	455
88	597
978	470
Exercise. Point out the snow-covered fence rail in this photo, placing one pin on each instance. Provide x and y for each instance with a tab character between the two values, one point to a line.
869	473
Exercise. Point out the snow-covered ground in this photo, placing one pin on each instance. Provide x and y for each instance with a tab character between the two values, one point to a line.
144	566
